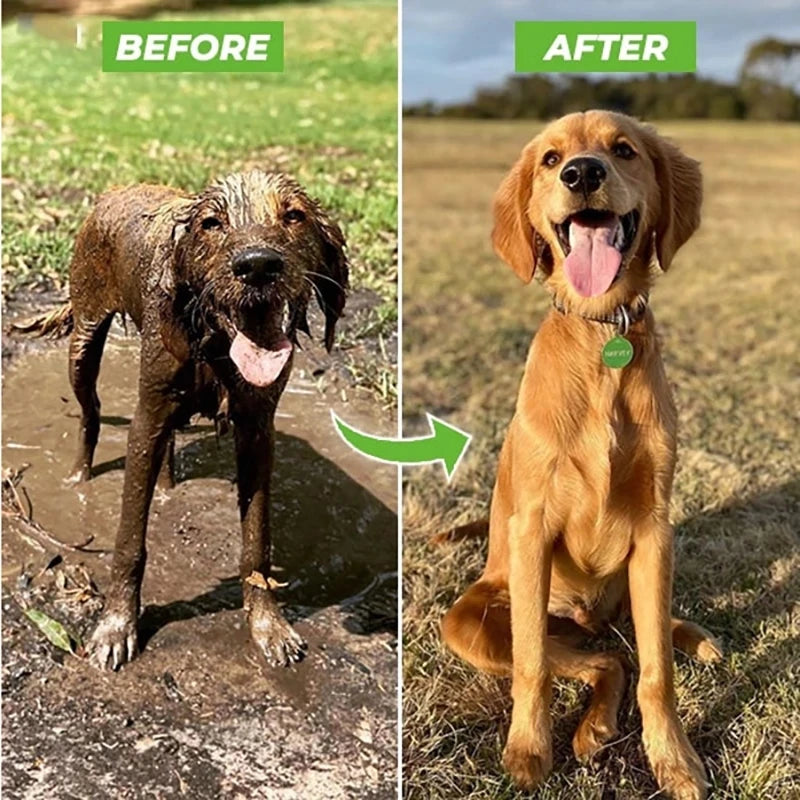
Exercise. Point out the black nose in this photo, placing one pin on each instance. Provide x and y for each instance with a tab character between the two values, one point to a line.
583	175
257	266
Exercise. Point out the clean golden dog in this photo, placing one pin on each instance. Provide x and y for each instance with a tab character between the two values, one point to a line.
579	528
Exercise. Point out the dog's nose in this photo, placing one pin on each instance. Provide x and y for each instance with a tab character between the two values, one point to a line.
257	266
583	175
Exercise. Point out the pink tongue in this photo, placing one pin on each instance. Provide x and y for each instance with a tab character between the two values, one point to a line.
259	366
593	260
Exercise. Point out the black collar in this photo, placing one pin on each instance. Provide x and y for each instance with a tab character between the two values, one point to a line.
623	316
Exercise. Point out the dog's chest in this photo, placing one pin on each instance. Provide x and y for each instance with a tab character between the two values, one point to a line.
606	479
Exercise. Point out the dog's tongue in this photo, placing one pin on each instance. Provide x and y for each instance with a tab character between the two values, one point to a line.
593	260
259	366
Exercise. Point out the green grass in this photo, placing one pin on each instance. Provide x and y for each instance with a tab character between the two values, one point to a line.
728	314
330	119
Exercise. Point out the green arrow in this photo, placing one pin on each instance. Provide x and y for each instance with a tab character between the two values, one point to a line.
446	444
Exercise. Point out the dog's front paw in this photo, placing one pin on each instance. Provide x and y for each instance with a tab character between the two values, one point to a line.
278	641
528	766
679	772
114	641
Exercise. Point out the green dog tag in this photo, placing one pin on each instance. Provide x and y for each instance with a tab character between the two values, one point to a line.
617	352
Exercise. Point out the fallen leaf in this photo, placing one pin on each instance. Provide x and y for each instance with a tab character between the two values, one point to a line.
55	632
256	579
363	732
260	582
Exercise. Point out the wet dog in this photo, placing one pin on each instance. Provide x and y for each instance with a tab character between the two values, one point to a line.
218	284
579	529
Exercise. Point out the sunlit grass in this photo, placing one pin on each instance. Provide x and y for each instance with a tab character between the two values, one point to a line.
727	311
71	130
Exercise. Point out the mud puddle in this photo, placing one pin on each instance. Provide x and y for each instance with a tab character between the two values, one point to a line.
198	714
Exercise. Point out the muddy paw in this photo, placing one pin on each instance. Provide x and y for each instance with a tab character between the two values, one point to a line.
114	641
592	735
281	645
527	767
680	773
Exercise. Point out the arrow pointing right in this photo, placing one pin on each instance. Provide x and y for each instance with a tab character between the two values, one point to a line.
446	444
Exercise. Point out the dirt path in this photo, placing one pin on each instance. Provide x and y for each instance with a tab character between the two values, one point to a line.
197	714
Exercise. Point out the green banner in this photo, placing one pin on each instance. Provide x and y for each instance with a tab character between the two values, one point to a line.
606	46
192	46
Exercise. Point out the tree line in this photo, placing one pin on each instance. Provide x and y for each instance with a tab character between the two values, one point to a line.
766	89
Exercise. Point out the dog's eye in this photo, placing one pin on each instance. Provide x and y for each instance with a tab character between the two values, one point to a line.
623	150
294	215
210	224
551	158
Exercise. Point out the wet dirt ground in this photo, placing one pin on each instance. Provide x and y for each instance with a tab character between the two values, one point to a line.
198	714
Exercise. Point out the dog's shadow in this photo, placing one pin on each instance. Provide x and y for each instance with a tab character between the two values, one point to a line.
737	574
332	538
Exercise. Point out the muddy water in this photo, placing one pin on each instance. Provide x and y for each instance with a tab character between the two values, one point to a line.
198	713
333	527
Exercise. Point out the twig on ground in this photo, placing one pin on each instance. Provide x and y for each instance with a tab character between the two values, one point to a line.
13	508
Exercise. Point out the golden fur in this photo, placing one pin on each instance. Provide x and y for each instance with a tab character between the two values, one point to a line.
579	527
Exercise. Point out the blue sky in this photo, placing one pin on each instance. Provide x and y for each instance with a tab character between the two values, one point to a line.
452	46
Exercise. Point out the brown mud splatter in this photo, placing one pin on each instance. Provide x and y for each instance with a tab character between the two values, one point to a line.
197	714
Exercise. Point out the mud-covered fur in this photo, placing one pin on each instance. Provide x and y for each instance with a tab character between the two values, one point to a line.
165	259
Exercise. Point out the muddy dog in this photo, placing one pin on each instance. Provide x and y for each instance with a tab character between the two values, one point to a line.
218	284
579	528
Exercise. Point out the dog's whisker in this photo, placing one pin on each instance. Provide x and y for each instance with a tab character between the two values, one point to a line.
325	277
316	290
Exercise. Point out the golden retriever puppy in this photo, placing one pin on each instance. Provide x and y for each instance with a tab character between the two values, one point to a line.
579	525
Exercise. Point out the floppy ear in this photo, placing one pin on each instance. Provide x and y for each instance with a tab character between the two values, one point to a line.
173	300
169	257
681	187
513	234
331	278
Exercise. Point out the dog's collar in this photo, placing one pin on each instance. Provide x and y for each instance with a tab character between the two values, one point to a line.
623	316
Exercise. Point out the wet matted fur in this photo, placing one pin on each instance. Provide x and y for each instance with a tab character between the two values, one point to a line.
218	284
579	529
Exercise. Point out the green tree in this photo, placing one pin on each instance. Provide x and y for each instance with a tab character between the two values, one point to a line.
770	79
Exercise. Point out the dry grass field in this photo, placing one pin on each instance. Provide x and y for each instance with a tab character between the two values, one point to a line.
729	314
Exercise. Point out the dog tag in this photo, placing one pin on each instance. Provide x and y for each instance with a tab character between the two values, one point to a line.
617	352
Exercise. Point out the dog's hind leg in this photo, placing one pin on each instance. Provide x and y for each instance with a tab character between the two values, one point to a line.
605	673
695	641
478	628
85	352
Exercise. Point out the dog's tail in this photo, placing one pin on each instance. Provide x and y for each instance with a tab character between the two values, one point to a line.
477	529
55	325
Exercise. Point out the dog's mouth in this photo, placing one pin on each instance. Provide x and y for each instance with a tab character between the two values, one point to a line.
595	244
261	347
